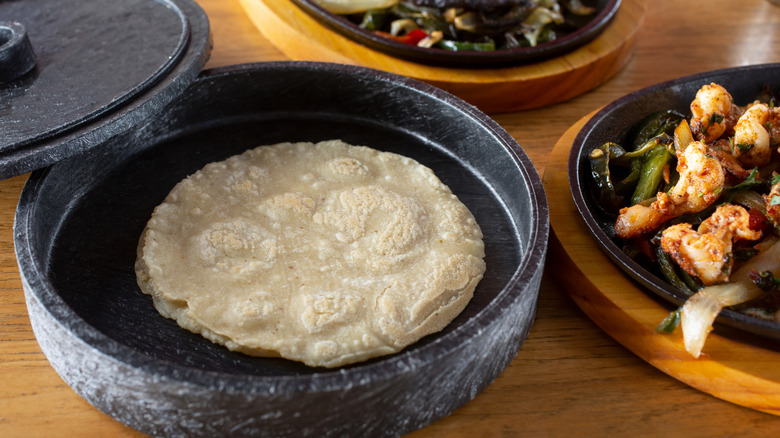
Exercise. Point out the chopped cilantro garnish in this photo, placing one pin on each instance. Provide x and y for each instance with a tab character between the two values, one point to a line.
744	147
748	182
715	118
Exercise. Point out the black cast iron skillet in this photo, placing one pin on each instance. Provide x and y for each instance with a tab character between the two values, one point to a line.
591	27
613	123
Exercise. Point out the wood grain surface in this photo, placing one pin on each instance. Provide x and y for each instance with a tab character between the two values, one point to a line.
570	377
521	87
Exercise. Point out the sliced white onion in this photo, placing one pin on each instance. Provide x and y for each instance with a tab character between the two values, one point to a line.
699	311
682	135
354	6
402	26
576	7
537	19
750	199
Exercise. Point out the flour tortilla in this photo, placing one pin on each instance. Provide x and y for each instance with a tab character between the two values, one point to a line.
325	253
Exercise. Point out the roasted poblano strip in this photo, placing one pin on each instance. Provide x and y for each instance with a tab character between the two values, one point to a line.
459	46
600	171
374	19
651	174
670	323
655	124
669	271
652	151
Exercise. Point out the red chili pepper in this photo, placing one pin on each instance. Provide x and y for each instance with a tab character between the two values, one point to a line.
646	248
757	220
412	37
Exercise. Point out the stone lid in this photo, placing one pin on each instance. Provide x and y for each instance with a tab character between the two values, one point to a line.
101	67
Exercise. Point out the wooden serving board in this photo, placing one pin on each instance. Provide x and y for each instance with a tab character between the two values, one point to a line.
301	37
745	374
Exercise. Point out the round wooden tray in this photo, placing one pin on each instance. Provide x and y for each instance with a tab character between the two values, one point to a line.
301	37
739	372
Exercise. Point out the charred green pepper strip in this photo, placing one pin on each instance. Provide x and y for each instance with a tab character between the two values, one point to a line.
669	271
614	150
458	46
656	124
643	149
651	174
599	167
692	282
618	156
670	323
374	19
621	157
406	10
613	154
627	184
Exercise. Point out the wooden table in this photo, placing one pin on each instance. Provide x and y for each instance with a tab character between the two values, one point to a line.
569	377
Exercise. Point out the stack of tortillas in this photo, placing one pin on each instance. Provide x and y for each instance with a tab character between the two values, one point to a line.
325	253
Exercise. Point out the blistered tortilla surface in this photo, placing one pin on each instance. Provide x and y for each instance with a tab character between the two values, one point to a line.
324	253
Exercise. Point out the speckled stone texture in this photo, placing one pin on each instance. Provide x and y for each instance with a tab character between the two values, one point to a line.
406	396
102	67
17	56
78	223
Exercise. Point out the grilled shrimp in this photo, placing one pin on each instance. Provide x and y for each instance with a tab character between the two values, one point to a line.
772	207
701	180
705	253
712	110
772	125
751	139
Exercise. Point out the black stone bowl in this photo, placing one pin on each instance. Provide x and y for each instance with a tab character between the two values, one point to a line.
613	123
78	224
591	27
